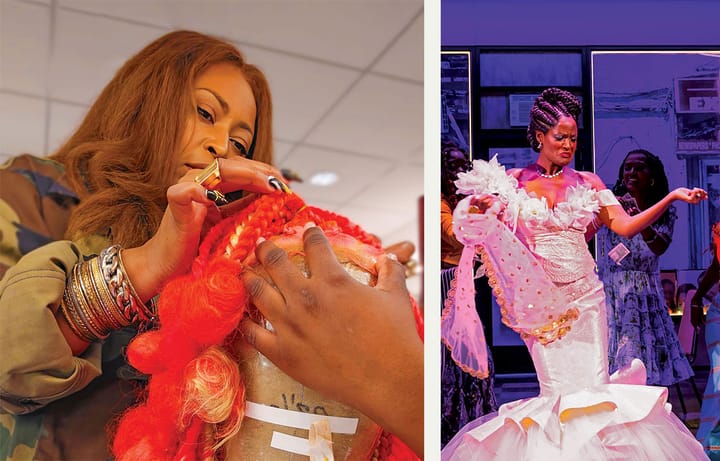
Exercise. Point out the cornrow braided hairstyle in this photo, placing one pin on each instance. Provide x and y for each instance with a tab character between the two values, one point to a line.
195	399
545	113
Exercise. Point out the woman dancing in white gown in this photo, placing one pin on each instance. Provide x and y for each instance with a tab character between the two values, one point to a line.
552	296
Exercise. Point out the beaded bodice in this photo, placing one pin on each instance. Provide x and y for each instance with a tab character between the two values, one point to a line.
557	236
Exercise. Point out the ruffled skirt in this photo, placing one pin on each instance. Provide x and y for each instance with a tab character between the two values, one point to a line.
615	421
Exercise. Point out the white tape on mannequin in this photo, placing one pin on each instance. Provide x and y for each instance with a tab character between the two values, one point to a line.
290	443
298	419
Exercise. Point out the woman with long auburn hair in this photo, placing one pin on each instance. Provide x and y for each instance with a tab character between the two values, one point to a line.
93	234
117	159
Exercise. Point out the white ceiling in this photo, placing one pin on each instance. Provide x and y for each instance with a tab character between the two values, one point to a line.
346	76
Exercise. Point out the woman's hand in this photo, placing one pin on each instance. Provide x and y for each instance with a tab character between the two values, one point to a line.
244	174
697	315
354	343
486	203
696	311
695	195
470	216
190	210
403	251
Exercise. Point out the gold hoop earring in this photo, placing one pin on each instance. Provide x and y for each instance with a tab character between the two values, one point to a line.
652	182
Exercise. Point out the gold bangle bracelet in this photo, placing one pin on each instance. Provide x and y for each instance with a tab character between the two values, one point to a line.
69	310
82	296
64	311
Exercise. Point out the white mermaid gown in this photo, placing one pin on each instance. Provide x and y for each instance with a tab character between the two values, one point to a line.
582	413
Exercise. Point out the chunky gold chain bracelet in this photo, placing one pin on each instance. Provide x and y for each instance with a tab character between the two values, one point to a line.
99	298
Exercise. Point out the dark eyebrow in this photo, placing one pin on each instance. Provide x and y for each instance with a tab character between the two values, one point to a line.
226	108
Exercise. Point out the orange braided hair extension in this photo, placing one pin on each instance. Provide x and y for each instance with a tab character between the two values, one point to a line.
194	400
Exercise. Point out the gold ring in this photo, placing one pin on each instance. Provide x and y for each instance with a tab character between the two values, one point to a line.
209	177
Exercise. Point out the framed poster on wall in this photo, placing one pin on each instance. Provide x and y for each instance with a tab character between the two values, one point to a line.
455	100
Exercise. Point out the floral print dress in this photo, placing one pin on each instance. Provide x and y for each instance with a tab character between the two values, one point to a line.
639	324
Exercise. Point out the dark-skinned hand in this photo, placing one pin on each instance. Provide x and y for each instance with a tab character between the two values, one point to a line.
353	343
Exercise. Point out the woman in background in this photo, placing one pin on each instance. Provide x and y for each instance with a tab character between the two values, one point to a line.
682	292
639	324
708	432
464	397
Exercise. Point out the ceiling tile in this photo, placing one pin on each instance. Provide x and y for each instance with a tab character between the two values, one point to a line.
417	156
381	223
64	120
405	59
354	173
302	90
379	116
24	31
87	52
351	33
408	231
340	29
281	150
398	190
149	12
22	124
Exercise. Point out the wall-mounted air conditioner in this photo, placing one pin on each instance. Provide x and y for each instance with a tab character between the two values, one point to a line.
694	95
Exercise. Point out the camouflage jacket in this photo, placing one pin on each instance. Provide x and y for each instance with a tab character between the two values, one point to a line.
53	405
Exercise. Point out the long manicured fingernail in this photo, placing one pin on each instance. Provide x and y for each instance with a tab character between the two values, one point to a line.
259	241
216	197
277	184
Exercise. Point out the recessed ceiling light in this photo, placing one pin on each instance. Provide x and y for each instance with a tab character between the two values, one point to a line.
323	178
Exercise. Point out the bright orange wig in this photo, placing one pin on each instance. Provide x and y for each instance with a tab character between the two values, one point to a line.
195	398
